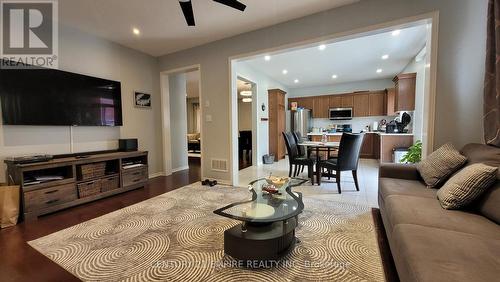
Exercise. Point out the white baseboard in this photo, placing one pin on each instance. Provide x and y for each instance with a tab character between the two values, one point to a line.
180	168
156	174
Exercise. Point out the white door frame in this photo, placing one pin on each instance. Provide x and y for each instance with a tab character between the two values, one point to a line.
165	116
430	97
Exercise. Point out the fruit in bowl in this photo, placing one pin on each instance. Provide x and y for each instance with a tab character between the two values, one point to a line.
277	181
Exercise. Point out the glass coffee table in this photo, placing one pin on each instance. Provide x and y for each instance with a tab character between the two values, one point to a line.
269	219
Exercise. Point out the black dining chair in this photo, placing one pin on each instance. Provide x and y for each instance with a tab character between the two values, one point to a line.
295	159
347	160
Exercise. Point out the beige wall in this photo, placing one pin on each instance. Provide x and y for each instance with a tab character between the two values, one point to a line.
244	115
85	54
462	37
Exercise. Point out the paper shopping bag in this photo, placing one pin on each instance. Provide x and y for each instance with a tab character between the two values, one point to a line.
9	205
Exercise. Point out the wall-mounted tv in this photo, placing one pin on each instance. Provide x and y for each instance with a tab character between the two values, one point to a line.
54	97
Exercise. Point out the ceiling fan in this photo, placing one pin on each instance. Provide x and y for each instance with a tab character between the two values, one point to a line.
187	8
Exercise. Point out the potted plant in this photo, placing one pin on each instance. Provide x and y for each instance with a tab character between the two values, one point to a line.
414	154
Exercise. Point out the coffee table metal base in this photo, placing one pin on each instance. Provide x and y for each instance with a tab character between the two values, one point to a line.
262	242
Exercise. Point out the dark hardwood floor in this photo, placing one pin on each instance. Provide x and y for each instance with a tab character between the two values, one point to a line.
20	262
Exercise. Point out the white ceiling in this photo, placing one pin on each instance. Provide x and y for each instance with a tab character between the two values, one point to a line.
163	27
351	60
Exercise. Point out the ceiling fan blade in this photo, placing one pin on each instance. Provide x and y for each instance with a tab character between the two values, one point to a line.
187	10
233	4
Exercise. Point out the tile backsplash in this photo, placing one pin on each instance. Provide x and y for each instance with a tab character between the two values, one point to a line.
357	123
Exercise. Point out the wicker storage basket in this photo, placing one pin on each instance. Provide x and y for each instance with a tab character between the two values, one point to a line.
89	171
110	183
88	189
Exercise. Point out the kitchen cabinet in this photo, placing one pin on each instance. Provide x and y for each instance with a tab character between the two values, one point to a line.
306	102
347	101
361	105
377	103
335	101
367	147
405	85
277	122
321	105
391	101
389	142
376	146
302	102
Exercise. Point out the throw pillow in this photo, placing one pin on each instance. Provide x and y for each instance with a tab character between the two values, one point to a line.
439	165
466	186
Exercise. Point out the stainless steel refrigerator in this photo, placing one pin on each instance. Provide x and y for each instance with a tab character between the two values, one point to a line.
299	121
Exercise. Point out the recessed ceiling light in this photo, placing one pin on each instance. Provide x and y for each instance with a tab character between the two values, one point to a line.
334	76
285	71
246	93
322	47
379	70
396	32
246	100
267	57
136	31
296	81
385	57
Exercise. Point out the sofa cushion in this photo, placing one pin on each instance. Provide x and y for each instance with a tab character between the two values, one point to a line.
395	186
427	212
466	186
489	203
441	164
431	254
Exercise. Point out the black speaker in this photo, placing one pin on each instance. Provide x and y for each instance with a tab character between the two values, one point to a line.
127	145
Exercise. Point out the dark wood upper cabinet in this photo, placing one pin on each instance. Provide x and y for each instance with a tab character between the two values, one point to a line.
306	102
391	101
335	101
347	101
377	103
405	85
321	105
361	105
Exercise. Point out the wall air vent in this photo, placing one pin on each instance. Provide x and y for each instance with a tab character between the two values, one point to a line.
219	165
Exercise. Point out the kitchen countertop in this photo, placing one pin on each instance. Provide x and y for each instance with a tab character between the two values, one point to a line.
379	133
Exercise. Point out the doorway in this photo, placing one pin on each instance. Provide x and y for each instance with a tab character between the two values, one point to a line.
246	100
181	119
293	74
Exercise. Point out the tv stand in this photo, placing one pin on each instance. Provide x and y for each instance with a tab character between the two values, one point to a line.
60	183
81	157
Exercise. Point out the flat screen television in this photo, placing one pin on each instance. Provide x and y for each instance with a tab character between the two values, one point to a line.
54	97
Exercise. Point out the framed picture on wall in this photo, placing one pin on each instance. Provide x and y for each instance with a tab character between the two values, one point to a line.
142	100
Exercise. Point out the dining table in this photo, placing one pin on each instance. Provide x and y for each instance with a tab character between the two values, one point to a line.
319	147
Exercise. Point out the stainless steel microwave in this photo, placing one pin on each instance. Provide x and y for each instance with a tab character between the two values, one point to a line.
341	113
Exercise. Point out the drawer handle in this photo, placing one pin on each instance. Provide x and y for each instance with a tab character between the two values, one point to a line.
52	201
137	173
51	192
136	180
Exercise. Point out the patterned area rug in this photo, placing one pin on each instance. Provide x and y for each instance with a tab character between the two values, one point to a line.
176	237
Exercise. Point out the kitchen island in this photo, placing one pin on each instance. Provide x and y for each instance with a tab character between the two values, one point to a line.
377	145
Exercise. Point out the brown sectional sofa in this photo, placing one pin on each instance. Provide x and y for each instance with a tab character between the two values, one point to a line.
429	243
